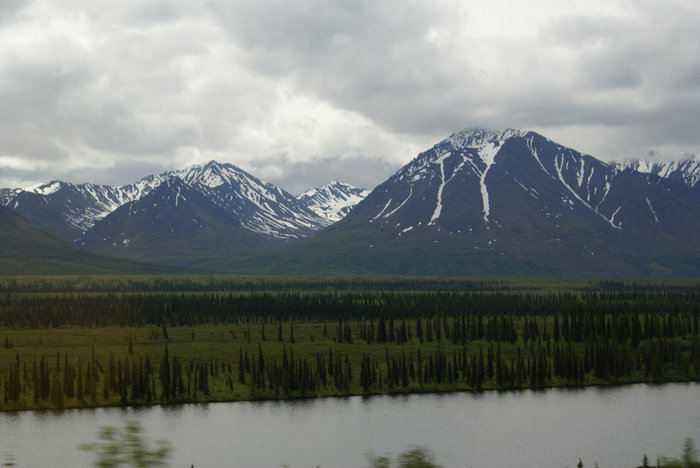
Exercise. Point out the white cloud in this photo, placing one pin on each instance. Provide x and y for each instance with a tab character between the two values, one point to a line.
292	91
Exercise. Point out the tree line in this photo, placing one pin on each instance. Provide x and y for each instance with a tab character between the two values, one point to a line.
580	314
203	283
365	356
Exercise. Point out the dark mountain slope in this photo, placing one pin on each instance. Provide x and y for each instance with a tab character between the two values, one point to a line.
507	203
175	224
685	170
26	249
72	210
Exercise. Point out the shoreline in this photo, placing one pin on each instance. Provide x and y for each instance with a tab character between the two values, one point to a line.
351	395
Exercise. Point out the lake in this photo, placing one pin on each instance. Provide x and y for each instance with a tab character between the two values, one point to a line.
613	426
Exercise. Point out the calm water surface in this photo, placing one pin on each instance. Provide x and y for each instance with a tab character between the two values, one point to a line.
550	428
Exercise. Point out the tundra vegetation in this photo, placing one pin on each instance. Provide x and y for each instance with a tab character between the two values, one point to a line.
105	341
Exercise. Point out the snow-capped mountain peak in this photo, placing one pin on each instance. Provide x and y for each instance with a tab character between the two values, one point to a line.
45	189
481	198
6	195
334	200
211	174
468	154
258	206
475	137
71	210
686	170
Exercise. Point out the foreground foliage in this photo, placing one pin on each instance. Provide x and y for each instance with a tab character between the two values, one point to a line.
688	458
126	447
417	457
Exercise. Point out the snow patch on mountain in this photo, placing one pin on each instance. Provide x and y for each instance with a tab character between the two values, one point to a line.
474	137
45	189
438	207
653	212
558	165
410	194
488	156
333	201
7	195
533	152
487	144
464	155
258	206
381	212
686	170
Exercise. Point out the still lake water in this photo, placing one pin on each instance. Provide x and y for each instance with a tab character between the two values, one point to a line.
548	428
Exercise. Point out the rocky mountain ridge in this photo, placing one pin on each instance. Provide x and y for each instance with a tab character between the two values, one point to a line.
72	210
510	202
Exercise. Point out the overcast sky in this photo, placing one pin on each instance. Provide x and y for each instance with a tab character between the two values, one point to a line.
302	92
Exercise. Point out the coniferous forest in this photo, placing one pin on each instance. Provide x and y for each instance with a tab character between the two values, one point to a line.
113	341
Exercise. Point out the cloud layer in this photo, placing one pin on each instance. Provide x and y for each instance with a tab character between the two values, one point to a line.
300	93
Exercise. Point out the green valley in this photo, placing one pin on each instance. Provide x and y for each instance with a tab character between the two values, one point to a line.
103	341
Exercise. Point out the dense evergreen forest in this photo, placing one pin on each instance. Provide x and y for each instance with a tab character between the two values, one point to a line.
84	342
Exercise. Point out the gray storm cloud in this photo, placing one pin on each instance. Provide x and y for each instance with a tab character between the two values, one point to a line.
300	93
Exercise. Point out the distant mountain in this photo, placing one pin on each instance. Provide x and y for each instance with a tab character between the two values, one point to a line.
27	249
72	210
333	201
7	194
687	170
479	202
507	202
258	206
207	213
176	224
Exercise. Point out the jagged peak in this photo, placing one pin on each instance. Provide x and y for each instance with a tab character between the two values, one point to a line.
45	188
211	174
331	186
332	201
476	137
690	159
686	168
341	185
654	158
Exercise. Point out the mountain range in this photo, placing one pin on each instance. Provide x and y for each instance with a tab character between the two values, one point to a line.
478	202
686	170
508	202
185	217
